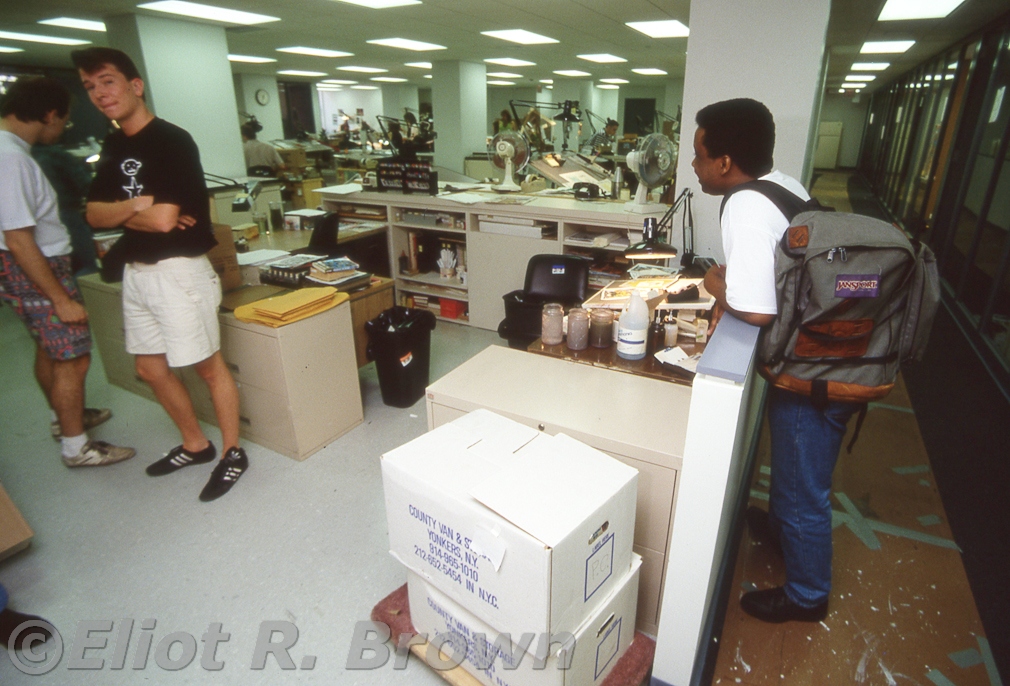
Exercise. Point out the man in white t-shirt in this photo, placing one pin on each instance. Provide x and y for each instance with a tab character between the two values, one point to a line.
35	274
732	146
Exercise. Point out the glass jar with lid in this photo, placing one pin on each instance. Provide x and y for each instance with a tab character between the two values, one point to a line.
551	326
601	328
578	329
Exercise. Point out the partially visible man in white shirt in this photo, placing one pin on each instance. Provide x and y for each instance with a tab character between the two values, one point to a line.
35	273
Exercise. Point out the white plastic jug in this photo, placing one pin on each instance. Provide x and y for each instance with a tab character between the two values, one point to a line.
632	330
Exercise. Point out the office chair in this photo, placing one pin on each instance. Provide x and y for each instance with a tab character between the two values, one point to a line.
324	238
549	278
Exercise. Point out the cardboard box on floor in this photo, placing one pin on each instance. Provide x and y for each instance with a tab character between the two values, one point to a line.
15	534
224	259
529	532
598	644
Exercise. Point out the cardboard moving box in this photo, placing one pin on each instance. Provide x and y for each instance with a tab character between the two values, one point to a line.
529	532
585	660
15	534
224	258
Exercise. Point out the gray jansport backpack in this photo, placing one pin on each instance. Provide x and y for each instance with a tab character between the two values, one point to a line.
856	298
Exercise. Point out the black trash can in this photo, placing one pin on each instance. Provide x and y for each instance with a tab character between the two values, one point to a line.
399	341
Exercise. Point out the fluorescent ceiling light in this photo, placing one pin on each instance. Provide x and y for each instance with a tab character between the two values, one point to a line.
315	52
35	38
510	62
329	89
406	44
870	66
427	76
419	65
886	46
898	10
571	72
650	72
602	58
670	28
501	83
860	77
607	86
71	23
388	79
504	75
381	4
209	12
521	36
614	81
952	65
250	59
341	82
547	81
840	90
298	72
848	84
6	50
364	88
363	70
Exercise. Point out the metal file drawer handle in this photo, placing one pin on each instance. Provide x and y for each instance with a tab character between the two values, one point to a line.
245	420
233	367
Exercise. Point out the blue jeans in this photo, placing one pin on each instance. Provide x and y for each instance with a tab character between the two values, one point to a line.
805	443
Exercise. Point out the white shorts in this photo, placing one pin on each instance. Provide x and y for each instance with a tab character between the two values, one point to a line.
170	308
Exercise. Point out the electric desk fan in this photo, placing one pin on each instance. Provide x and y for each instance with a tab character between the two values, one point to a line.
654	163
511	152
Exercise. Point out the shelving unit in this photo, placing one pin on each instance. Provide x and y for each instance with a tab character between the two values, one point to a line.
495	259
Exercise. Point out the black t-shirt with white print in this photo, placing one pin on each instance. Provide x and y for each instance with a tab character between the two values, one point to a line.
161	160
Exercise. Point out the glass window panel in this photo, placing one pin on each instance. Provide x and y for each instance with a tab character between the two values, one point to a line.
984	231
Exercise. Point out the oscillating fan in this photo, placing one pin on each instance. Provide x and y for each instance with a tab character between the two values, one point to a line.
509	151
654	163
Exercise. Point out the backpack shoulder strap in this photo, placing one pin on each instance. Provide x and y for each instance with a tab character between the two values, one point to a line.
788	203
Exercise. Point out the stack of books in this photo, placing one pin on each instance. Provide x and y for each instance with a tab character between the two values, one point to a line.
287	271
332	269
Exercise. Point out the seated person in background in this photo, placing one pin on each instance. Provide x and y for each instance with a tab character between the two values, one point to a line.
258	153
533	127
504	122
601	141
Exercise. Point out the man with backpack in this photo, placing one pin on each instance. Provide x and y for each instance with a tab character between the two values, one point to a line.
733	146
843	300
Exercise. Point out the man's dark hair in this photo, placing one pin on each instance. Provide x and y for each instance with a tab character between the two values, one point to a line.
743	129
610	122
248	130
32	99
90	60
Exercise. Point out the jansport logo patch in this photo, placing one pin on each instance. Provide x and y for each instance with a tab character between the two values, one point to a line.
857	285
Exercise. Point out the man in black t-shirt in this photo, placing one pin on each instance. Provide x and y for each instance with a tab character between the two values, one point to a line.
149	181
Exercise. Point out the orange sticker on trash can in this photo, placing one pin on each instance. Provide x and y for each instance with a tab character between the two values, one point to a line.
405	360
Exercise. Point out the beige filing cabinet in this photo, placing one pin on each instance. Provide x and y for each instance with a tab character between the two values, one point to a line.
298	384
640	421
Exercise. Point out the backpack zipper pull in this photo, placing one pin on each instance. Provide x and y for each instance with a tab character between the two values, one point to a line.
841	253
831	255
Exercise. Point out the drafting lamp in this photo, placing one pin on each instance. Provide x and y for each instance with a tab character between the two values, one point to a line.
652	246
664	117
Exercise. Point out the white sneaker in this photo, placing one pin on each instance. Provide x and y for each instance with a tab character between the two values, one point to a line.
99	454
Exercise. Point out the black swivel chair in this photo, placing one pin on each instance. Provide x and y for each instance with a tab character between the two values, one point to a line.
549	278
261	171
324	238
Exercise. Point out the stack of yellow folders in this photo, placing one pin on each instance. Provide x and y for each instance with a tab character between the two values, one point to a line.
290	307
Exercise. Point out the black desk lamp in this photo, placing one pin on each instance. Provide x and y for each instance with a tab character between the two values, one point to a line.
652	247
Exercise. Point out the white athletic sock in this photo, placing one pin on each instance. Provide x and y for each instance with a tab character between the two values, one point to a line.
72	445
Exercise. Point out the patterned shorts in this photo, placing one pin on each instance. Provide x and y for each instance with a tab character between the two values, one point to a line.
60	341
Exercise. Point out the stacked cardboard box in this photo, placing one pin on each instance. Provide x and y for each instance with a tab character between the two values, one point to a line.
506	530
